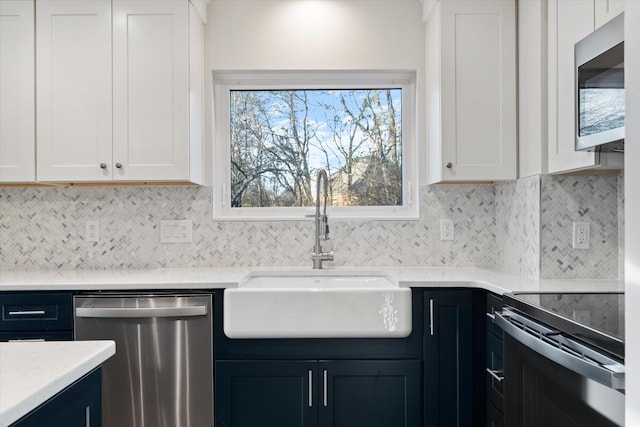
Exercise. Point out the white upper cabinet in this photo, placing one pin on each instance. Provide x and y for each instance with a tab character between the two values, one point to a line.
605	10
17	97
73	51
471	90
150	89
569	22
148	135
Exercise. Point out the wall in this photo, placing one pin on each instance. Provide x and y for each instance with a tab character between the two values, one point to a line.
316	35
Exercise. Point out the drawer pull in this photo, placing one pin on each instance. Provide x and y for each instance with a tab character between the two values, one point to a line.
26	312
310	388
498	375
325	396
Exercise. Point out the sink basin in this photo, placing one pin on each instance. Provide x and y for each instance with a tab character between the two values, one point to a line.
317	304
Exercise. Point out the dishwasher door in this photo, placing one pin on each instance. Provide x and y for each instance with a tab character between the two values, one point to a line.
162	372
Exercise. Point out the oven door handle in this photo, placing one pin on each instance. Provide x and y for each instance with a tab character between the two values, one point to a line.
610	374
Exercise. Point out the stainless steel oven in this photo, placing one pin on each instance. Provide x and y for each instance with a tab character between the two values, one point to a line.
560	369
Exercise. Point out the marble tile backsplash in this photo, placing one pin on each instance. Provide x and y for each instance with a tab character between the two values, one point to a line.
43	228
580	198
518	226
621	227
523	227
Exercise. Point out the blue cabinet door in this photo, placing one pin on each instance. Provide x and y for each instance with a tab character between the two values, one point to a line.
344	393
79	405
448	358
265	394
370	393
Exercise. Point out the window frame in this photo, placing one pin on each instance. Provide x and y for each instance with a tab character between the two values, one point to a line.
225	81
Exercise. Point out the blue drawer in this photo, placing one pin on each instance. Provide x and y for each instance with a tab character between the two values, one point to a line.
36	311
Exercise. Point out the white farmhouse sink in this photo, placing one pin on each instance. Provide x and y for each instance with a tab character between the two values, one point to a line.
317	304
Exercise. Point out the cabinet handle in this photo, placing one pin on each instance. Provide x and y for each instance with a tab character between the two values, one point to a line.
310	388
103	165
449	165
431	316
498	375
26	312
325	382
87	416
119	165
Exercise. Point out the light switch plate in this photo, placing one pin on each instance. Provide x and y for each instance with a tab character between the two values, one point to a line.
176	231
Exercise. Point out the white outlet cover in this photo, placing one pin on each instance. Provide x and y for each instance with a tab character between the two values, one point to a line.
92	231
446	230
581	235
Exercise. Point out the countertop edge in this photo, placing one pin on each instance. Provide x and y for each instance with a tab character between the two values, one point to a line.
496	281
58	381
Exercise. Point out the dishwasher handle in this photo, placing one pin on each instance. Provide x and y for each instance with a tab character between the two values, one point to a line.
141	312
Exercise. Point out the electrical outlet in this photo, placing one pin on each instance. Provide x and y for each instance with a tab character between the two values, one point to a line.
92	231
446	229
581	235
176	231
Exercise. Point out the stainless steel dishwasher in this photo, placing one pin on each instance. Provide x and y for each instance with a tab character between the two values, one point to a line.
162	372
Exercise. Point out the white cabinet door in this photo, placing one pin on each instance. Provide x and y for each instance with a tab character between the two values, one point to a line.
471	51
17	96
569	22
151	90
606	10
73	90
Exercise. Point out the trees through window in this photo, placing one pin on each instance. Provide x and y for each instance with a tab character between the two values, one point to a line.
274	132
281	138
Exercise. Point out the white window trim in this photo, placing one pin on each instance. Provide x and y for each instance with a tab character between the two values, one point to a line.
225	81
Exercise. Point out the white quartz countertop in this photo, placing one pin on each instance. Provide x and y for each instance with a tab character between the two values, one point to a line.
33	372
216	278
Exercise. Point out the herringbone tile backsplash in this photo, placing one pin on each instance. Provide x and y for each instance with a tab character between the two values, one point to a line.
43	228
521	226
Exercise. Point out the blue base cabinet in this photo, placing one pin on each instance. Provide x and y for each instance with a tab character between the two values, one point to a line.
79	405
494	383
265	393
449	358
331	393
370	393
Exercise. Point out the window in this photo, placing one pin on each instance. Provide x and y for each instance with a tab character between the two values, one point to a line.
275	130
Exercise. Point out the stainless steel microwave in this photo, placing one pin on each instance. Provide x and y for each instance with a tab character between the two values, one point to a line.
600	88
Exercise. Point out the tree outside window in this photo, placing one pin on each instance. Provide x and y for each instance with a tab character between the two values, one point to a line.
279	139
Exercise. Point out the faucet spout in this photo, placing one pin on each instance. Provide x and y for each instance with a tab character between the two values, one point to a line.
321	223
